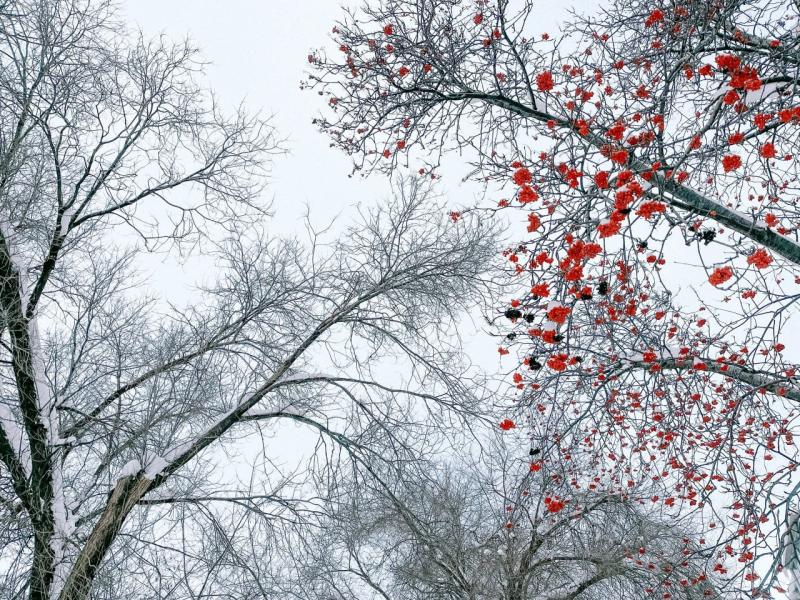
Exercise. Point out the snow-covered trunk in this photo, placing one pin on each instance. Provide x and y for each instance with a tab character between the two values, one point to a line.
42	568
46	503
58	512
128	491
36	420
790	558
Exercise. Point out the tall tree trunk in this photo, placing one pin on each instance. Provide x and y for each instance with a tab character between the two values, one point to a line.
126	494
42	568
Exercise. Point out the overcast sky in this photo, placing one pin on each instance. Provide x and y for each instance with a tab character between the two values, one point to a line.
257	52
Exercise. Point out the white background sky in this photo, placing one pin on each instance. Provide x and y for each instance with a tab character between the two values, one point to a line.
257	50
257	53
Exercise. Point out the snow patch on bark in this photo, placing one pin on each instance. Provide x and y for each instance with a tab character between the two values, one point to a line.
15	437
130	469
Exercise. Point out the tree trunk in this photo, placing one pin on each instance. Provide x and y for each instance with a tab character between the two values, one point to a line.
42	569
126	494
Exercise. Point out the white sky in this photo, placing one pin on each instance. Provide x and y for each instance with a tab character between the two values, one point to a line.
257	52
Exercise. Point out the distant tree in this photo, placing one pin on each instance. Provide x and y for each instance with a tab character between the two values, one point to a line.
645	134
491	528
112	403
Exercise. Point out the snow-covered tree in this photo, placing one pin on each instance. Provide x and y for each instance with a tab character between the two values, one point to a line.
120	411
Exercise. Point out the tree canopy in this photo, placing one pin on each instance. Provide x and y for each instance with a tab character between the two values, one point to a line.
646	152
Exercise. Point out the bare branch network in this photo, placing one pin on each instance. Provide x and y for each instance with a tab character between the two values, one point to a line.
116	410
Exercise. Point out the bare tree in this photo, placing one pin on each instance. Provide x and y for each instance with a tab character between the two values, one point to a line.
490	527
112	402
